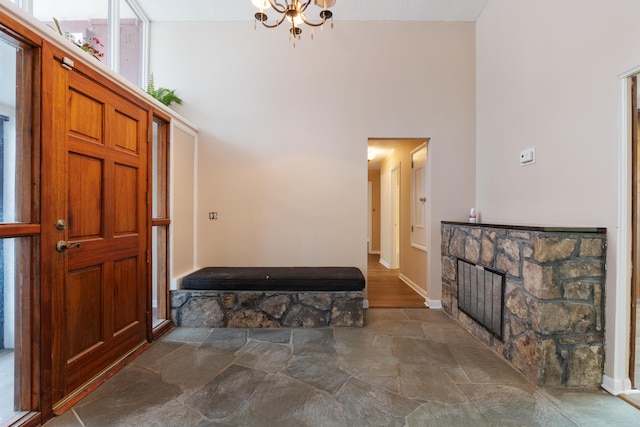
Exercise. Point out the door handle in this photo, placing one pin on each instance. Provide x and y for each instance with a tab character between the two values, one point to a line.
62	246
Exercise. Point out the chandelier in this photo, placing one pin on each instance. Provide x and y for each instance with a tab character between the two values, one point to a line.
295	12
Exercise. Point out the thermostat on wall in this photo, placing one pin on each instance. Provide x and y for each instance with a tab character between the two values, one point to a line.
528	156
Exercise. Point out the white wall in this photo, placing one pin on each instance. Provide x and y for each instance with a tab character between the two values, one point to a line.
183	169
547	77
273	119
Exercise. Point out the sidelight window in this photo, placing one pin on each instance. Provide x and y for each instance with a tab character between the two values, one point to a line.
160	224
18	225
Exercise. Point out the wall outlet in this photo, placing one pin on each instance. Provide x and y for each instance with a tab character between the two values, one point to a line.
528	156
213	216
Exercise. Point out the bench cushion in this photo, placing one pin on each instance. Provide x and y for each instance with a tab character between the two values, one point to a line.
276	279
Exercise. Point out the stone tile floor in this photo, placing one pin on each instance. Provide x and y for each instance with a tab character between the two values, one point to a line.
406	367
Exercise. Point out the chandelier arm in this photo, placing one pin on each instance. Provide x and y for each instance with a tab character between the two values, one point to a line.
305	6
276	24
277	6
314	24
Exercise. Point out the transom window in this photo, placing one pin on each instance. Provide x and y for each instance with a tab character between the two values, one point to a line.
116	30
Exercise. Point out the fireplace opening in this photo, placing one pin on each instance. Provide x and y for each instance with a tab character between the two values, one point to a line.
481	295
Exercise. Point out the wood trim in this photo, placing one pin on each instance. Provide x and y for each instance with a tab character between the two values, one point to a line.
159	198
14	29
30	419
161	115
53	208
18	230
96	77
100	378
162	329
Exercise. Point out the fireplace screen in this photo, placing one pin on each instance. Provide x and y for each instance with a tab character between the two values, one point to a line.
481	295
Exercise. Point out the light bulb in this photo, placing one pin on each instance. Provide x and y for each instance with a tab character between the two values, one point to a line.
297	20
261	4
325	4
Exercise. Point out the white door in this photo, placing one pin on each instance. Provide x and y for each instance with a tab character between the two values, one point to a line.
419	197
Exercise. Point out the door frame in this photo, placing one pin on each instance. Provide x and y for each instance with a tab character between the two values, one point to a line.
618	381
635	237
395	191
425	214
369	215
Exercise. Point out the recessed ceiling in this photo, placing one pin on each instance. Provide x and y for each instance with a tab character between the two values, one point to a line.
344	10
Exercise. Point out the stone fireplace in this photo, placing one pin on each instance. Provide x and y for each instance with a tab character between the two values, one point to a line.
553	322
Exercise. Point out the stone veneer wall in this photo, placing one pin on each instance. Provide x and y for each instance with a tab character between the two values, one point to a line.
554	297
255	309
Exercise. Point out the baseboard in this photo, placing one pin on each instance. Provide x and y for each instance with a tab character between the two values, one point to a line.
374	252
385	263
434	304
615	386
427	302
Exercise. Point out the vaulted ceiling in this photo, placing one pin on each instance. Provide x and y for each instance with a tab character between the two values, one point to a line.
344	10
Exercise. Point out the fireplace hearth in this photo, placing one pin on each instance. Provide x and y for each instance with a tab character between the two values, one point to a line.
552	310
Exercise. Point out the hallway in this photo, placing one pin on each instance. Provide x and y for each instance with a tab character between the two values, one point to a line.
406	367
385	289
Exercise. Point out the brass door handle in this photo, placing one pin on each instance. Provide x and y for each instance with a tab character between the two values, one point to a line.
62	246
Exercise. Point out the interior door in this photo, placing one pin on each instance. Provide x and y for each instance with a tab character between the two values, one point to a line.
97	156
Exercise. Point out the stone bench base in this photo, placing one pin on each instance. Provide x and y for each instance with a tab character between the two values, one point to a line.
274	309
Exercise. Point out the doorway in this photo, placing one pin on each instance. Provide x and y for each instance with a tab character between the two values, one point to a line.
397	269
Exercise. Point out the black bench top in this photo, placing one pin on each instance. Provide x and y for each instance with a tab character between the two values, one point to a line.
276	279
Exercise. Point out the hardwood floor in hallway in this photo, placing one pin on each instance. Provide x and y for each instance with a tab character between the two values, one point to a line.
385	289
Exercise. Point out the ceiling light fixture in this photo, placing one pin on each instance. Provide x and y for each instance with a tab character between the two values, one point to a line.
294	12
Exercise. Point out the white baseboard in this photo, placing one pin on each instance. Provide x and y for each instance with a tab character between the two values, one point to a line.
385	263
616	386
435	304
374	252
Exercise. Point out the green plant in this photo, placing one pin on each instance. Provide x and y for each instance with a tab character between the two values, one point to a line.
90	46
164	95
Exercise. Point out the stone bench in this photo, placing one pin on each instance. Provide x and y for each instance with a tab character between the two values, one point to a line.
270	297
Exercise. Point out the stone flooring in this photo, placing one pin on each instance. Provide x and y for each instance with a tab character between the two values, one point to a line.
406	367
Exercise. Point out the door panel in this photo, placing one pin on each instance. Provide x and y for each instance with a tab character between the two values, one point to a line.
99	286
85	293
126	128
125	291
85	107
85	197
126	198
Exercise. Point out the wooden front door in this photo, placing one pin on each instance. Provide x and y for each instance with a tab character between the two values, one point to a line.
95	183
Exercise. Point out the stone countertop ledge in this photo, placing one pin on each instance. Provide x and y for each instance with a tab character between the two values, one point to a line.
545	228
